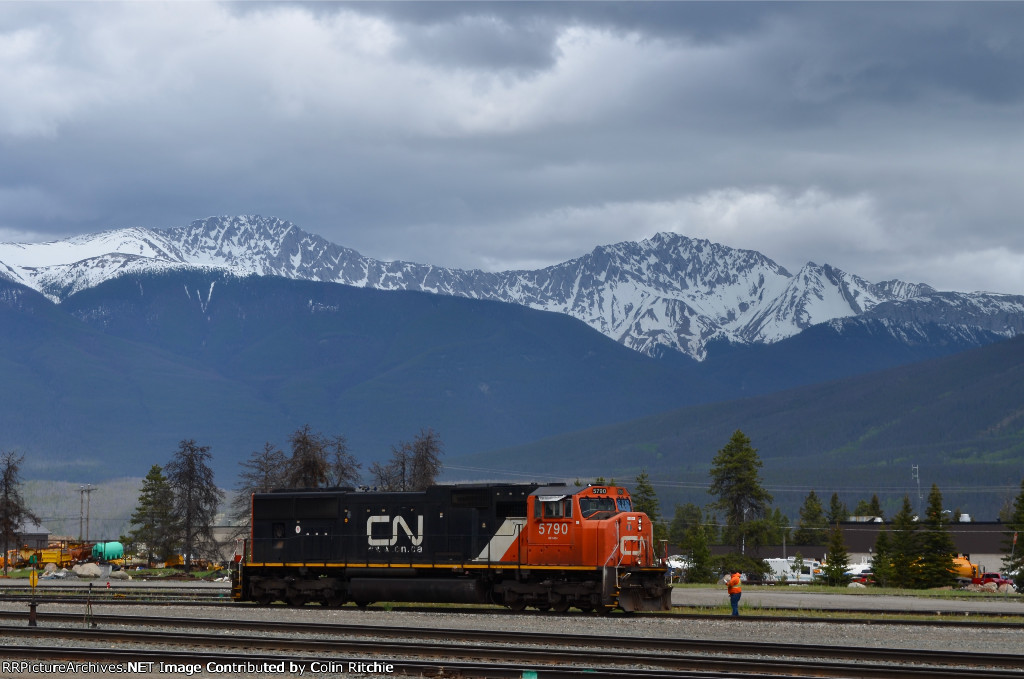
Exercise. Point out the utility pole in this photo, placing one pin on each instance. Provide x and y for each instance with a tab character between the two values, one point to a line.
917	477
743	545
84	491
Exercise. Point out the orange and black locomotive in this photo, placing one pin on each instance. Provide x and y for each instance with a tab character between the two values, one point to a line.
517	545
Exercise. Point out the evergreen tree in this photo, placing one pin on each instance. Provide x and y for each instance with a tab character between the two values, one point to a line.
881	560
154	517
736	483
813	528
701	564
263	472
14	513
646	500
1013	544
196	497
837	560
837	512
776	528
876	507
937	547
685	518
869	508
905	547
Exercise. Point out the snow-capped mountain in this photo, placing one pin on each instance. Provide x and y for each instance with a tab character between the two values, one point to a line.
666	292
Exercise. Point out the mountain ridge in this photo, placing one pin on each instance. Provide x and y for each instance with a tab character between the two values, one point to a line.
665	293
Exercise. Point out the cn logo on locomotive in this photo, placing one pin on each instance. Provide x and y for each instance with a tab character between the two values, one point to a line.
397	522
626	539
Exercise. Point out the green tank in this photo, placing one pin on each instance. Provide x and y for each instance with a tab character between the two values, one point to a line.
107	551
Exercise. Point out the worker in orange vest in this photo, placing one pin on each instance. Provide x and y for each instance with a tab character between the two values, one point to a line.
735	591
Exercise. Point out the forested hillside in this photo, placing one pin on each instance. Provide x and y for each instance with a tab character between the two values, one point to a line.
959	418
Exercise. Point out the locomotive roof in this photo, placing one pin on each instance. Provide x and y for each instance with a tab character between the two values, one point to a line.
534	487
557	490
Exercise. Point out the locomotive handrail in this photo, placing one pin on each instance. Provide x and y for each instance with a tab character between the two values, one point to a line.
615	548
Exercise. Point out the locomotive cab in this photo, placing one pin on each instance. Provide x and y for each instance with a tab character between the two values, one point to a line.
595	528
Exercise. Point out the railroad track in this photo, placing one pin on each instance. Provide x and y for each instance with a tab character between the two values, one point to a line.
421	649
191	596
118	595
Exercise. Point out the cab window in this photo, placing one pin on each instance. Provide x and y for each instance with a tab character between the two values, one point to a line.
589	506
624	504
554	508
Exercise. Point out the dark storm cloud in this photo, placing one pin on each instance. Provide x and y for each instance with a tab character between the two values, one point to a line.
884	138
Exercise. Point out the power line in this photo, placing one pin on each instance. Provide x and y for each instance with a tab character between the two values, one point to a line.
772	488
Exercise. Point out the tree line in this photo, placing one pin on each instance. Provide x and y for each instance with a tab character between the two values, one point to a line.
911	552
178	502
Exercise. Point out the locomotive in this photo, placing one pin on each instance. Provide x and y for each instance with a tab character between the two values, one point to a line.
517	545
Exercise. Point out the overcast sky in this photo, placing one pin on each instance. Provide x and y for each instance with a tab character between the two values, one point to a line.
884	139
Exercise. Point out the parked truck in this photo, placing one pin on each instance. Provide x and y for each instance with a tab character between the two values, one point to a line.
61	554
793	571
997	578
964	570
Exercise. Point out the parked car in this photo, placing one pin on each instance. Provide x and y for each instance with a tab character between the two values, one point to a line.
678	565
865	578
986	578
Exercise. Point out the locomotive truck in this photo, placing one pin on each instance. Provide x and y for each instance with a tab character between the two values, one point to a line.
517	545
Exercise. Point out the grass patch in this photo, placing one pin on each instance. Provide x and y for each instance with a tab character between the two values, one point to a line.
753	611
866	591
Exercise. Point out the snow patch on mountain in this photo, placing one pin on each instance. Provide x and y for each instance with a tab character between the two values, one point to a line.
665	292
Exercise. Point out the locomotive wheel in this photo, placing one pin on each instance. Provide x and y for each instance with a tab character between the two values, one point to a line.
334	600
263	599
586	608
361	604
561	606
517	605
297	600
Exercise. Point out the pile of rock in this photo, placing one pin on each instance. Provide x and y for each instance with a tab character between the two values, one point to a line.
991	587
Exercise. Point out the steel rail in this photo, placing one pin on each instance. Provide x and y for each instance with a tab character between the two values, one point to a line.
301	664
513	651
674	645
934	657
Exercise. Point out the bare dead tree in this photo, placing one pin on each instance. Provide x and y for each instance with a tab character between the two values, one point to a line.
14	513
317	461
413	466
196	497
264	471
393	475
344	466
426	459
307	467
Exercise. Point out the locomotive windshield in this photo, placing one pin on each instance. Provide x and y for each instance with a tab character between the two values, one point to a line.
589	506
